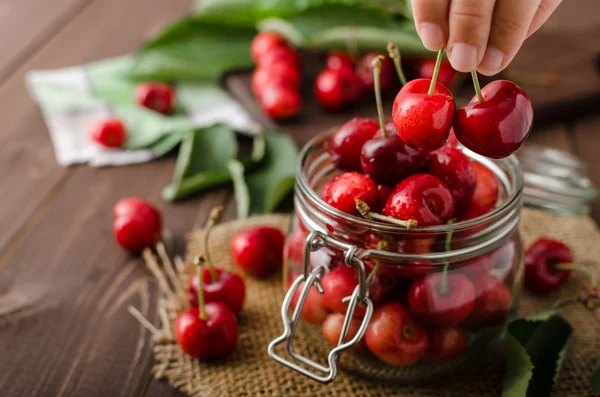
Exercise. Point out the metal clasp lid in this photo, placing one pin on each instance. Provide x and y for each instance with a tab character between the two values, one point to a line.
315	241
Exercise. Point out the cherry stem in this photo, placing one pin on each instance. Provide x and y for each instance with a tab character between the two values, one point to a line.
448	245
477	86
376	65
199	262
382	245
213	219
436	71
395	55
583	269
365	211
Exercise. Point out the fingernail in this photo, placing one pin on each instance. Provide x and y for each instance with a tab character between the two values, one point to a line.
432	36
492	60
463	57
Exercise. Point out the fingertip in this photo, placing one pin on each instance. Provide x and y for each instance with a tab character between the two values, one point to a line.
463	57
432	36
492	62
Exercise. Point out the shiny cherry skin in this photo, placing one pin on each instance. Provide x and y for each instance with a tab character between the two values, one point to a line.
280	102
338	284
137	224
229	289
430	305
346	143
314	310
445	75
422	197
280	54
109	133
332	329
342	191
498	126
155	96
486	194
337	89
280	74
492	305
364	72
339	60
388	160
541	277
208	339
258	251
446	344
265	42
384	193
423	121
394	337
456	170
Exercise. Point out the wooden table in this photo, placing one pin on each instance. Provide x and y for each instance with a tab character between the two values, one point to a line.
64	284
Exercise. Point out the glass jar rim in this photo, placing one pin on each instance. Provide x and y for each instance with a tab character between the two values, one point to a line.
514	194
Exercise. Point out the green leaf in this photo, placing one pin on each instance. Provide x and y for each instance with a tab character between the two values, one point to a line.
194	50
202	162
595	380
269	183
240	188
545	339
338	25
519	369
249	12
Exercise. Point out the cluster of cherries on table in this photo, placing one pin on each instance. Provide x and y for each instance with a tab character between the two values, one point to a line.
413	170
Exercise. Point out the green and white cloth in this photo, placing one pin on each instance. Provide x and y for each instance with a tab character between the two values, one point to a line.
71	98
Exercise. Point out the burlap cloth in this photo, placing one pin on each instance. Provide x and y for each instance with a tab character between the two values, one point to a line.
250	372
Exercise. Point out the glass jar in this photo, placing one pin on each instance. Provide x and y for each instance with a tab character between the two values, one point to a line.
418	303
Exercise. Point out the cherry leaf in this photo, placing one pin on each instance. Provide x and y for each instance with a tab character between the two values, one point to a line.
519	369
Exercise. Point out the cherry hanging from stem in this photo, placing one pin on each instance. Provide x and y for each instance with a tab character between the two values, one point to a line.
477	86
213	219
376	64
199	262
365	211
395	55
436	71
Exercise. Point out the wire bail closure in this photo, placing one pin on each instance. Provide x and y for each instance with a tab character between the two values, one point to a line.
323	374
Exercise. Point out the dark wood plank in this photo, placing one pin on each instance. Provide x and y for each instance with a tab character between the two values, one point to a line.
32	22
586	139
28	170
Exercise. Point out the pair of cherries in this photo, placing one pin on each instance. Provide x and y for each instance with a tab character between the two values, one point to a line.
342	81
277	78
112	133
494	124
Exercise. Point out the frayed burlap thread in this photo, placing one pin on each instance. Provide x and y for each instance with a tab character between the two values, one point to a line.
250	372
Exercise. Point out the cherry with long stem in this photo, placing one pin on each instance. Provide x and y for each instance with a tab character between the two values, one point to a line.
213	219
436	72
395	55
376	64
365	211
199	263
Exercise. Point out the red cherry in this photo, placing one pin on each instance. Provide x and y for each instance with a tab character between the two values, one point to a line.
429	304
338	284
423	121
208	339
394	337
445	75
345	144
265	42
364	72
339	60
384	193
314	310
156	96
228	288
388	160
492	305
278	74
541	275
342	191
137	224
110	133
279	54
456	170
337	89
446	344
332	329
258	251
486	193
280	102
421	197
497	126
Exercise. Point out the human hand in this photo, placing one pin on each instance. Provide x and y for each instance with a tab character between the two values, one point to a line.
479	34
